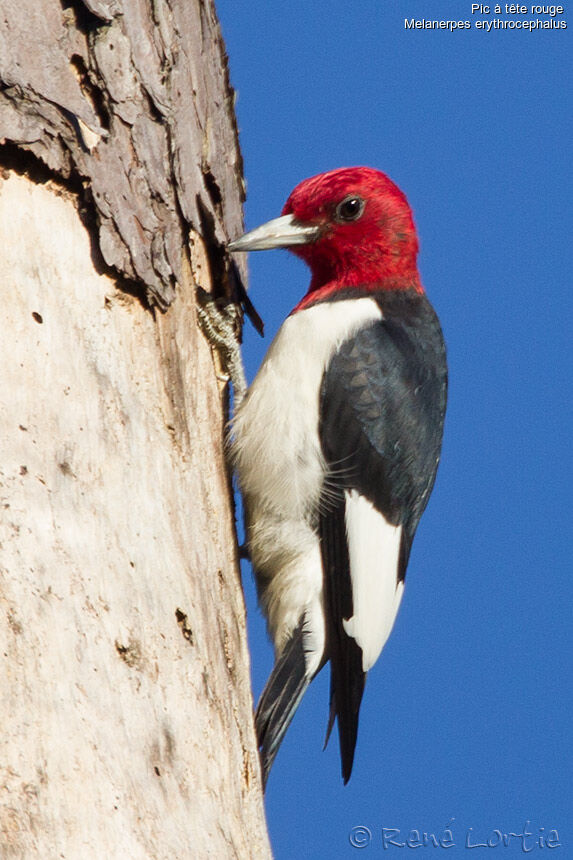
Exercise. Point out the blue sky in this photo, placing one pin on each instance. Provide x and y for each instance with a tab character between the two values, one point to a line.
467	714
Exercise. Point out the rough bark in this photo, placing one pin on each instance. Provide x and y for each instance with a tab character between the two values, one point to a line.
130	101
125	700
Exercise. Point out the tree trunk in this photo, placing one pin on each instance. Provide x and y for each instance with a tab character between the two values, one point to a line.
125	700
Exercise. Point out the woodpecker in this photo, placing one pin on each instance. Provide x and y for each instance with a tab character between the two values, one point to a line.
337	442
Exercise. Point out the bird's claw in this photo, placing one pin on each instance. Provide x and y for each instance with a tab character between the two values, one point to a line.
221	327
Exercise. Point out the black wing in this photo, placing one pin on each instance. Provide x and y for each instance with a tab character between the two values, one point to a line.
382	407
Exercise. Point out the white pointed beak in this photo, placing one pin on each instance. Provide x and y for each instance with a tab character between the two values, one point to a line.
279	233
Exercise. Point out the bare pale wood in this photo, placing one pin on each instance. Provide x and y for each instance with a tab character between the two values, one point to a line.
125	703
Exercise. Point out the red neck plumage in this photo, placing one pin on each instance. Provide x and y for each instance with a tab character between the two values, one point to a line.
377	252
377	278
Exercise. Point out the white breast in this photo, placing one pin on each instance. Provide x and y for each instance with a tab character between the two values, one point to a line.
276	446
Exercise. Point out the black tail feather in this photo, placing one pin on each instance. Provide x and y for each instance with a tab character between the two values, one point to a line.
347	677
280	698
347	684
331	718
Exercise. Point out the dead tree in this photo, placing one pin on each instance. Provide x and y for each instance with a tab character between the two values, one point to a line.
125	704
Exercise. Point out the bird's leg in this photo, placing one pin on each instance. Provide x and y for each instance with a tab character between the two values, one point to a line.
221	326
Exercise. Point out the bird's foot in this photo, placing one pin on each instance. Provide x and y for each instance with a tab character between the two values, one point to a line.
221	327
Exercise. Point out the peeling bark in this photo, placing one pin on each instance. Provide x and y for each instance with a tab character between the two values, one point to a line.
126	709
131	100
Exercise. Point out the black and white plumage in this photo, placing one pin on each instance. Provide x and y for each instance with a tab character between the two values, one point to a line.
336	447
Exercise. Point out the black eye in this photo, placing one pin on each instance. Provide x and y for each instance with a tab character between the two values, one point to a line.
350	209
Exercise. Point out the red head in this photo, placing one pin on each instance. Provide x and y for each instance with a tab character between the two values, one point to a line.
352	226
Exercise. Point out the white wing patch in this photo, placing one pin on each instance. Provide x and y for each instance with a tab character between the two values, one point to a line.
374	550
